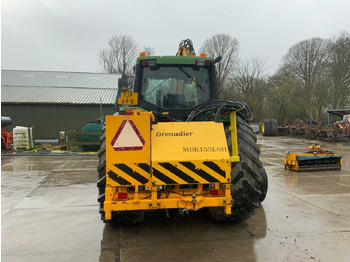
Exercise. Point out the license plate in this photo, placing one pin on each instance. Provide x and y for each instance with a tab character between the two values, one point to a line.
127	98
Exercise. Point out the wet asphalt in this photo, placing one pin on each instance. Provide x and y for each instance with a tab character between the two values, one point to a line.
49	213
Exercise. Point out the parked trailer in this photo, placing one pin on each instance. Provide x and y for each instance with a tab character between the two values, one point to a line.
339	131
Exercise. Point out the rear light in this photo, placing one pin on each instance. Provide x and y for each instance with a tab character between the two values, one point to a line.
203	62
150	63
214	192
200	62
120	195
207	62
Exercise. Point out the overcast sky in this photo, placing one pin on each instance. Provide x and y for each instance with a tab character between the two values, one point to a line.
61	35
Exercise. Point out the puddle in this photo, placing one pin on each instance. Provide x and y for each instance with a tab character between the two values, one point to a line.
66	178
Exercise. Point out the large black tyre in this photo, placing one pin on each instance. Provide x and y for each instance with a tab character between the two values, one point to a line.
273	127
245	177
119	218
266	127
264	184
101	170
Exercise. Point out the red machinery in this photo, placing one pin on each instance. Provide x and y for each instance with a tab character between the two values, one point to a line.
6	137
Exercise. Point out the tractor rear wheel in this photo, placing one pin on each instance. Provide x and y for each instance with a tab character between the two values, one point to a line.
274	127
120	218
266	127
247	181
101	170
264	184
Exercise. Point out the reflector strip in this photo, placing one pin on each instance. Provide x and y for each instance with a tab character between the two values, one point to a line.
145	167
129	174
215	168
178	173
132	173
117	178
166	173
212	173
199	172
200	179
159	175
157	181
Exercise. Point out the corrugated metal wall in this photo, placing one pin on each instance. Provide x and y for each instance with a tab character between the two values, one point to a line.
49	119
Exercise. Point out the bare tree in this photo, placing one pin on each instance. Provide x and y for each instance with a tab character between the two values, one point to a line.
282	100
149	50
119	56
249	84
108	60
227	47
340	70
249	77
307	61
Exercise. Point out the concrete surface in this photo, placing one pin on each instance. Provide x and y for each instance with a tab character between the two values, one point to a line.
49	213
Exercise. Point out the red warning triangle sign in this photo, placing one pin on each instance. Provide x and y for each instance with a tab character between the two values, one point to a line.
128	137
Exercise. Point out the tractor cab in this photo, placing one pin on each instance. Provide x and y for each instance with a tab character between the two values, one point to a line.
174	85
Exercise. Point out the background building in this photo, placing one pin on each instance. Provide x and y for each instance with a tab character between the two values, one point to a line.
56	101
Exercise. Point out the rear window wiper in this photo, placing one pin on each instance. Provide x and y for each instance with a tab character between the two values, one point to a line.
192	78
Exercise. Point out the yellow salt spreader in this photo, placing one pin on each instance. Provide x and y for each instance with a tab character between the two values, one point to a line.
315	159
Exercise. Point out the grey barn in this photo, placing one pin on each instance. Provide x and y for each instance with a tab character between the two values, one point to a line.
56	101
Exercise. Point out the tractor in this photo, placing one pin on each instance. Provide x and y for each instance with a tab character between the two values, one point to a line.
173	145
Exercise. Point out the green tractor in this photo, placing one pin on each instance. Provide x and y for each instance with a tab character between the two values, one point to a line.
172	144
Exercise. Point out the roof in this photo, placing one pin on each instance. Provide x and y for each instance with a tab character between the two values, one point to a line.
185	60
339	112
18	86
62	95
58	79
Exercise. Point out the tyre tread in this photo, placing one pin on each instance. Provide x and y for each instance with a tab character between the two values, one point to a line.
245	177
